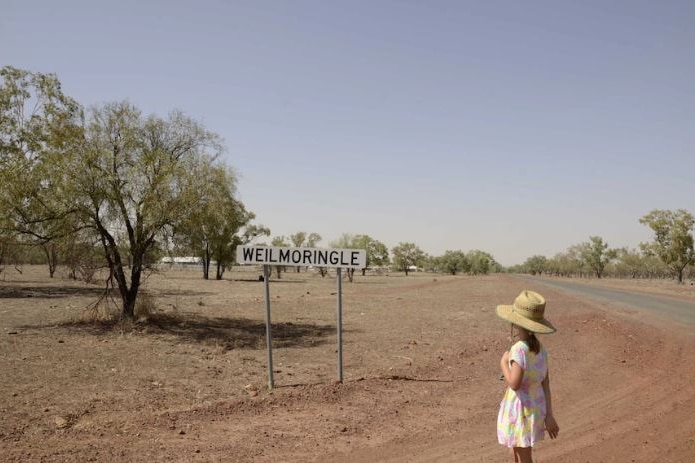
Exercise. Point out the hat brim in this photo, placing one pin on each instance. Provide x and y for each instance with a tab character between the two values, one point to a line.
543	326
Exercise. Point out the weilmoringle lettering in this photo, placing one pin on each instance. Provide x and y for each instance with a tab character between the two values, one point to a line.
315	257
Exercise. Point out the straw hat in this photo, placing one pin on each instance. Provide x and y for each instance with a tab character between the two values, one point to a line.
527	312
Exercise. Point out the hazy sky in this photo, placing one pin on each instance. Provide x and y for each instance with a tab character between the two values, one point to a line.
514	127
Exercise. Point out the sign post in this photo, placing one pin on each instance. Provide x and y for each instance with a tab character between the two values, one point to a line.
340	323
268	331
333	258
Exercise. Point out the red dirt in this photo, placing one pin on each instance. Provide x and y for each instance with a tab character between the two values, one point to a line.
421	370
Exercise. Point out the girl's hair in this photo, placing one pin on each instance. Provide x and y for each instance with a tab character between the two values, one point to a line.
533	343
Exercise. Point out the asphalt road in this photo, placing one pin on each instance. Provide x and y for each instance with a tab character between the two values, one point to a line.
671	308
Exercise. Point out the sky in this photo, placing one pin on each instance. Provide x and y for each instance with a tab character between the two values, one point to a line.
518	128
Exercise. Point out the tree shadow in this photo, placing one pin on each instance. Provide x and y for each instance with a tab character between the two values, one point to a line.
227	333
54	292
49	292
271	281
178	292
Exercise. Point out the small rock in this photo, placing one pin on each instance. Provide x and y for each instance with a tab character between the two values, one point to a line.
182	432
60	422
60	341
344	429
12	332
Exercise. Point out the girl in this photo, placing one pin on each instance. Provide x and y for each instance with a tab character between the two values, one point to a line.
526	410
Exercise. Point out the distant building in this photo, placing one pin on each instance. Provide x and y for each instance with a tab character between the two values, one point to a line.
190	261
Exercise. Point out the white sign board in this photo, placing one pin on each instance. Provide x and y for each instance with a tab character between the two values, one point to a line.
305	257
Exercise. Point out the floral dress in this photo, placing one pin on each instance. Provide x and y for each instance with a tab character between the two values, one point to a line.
521	419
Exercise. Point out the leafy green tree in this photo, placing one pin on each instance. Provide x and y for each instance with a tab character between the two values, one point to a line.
134	181
480	262
596	255
453	262
673	239
406	255
124	178
629	262
39	126
298	239
536	265
212	230
312	240
376	251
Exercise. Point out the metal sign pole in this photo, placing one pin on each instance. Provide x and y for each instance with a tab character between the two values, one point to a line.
340	325
268	333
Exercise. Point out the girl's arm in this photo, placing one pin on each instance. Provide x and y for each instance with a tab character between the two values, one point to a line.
512	375
550	423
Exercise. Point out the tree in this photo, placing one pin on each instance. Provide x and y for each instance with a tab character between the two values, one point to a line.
279	241
38	128
536	264
134	181
453	262
596	255
406	255
122	178
481	262
308	240
252	232
630	262
211	230
312	240
297	240
377	253
673	239
348	241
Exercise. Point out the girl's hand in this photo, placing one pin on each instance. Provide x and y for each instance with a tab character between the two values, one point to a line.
551	426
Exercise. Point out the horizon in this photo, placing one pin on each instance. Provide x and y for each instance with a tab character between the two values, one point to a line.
514	129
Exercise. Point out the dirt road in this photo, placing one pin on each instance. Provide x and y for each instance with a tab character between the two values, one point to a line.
672	308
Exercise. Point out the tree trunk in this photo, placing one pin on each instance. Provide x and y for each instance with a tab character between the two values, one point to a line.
220	270
51	257
131	294
406	271
206	263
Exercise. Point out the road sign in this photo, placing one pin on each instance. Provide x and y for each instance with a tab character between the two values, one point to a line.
302	257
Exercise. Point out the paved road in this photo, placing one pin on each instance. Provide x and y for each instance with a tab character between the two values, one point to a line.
671	308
